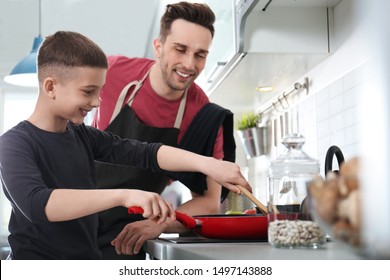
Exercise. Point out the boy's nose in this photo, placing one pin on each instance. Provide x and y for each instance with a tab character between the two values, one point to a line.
95	101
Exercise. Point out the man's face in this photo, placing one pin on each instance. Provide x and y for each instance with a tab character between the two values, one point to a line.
182	56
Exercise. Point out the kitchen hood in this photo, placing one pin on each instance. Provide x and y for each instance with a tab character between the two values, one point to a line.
276	42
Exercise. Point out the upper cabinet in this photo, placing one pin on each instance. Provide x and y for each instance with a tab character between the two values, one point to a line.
226	48
275	43
287	29
223	46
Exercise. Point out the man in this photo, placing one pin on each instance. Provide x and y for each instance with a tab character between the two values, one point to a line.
158	101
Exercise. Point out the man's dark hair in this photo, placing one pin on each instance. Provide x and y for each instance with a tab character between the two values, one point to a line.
193	12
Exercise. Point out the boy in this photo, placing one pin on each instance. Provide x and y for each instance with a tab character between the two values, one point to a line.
47	162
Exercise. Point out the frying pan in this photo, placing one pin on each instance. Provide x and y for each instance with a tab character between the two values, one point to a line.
233	227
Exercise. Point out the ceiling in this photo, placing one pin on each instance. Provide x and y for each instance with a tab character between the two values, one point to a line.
118	26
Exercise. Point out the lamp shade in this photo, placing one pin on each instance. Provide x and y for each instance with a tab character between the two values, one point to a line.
25	72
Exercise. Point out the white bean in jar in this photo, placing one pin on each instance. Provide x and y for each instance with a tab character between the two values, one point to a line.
295	233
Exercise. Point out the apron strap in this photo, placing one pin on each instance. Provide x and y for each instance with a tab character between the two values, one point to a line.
138	85
121	99
180	112
122	96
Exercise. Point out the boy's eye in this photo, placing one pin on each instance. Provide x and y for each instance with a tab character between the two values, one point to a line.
89	92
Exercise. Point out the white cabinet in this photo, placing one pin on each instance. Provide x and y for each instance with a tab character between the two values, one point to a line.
287	30
278	43
223	46
225	52
264	43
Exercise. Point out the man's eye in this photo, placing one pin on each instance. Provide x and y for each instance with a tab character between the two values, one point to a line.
201	55
181	50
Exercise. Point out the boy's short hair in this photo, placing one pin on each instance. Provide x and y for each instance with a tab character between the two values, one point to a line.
197	13
66	49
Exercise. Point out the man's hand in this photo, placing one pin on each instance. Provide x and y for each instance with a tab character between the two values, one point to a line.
130	240
227	174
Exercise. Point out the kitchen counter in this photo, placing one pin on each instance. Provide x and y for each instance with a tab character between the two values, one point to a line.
165	249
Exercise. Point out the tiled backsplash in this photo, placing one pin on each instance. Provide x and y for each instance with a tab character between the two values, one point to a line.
329	117
337	117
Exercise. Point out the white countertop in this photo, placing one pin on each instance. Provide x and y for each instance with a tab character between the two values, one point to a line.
166	250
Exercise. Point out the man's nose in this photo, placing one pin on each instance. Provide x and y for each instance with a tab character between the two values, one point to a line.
189	61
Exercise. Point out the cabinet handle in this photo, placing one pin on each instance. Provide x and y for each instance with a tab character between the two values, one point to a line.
217	66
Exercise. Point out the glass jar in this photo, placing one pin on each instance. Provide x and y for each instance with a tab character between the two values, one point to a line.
289	222
235	204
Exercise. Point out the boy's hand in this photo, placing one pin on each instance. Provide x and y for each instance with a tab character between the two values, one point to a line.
154	206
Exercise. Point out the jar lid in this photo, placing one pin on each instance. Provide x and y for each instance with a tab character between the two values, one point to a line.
294	160
293	141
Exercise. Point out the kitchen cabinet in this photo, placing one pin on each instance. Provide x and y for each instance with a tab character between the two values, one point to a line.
287	30
275	45
223	46
225	51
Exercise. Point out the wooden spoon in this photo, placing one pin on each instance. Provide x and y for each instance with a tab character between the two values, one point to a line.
252	198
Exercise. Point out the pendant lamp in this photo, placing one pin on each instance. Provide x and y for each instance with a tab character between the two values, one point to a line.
25	72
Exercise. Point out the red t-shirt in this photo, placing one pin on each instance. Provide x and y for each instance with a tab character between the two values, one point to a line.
150	108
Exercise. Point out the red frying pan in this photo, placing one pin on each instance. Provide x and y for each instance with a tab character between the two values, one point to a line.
234	227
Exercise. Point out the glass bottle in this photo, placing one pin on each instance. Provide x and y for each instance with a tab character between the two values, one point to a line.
289	222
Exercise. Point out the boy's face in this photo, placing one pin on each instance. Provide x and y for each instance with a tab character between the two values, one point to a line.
77	94
182	56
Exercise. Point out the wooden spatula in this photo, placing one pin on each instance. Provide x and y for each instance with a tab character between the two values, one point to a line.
252	198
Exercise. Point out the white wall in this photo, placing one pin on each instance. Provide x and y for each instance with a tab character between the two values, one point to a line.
347	106
118	26
375	134
329	114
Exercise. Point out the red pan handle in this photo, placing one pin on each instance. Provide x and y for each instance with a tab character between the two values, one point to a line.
184	219
135	210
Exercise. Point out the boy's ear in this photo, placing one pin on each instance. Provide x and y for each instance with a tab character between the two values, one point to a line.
48	86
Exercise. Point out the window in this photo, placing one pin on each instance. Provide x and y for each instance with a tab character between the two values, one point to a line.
14	107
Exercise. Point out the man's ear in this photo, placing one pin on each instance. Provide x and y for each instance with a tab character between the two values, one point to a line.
157	45
48	87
